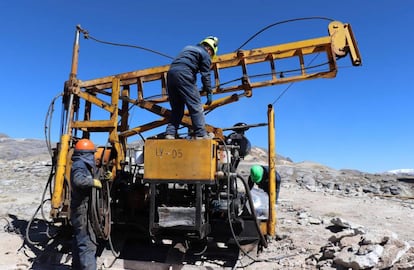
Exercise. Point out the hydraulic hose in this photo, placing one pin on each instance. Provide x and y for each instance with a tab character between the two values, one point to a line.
253	212
99	212
41	209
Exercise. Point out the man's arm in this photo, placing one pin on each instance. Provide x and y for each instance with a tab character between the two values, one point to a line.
205	72
81	177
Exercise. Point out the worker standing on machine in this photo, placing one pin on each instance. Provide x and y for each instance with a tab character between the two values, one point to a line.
260	175
82	181
182	88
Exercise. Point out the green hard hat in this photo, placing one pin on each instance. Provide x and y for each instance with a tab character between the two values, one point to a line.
256	173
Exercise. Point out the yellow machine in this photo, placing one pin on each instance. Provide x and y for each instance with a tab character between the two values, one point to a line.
183	188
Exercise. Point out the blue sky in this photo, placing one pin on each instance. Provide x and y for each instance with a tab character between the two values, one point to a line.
362	119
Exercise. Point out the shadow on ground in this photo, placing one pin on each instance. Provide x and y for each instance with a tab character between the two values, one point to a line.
49	247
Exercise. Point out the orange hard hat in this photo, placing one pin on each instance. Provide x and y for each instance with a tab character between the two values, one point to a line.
85	145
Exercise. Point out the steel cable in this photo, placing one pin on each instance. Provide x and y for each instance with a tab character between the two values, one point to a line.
279	23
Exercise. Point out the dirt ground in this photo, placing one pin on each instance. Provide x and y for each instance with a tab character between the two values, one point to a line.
295	242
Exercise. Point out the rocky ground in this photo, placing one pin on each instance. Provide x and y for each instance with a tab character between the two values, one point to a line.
326	219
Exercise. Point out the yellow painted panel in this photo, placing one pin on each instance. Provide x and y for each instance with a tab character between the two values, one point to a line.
180	160
263	227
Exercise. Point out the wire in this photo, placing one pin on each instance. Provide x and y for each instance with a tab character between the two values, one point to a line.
48	124
267	74
279	23
290	84
41	208
87	36
229	216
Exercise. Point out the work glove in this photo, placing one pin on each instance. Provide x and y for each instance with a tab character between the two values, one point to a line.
97	183
209	98
108	176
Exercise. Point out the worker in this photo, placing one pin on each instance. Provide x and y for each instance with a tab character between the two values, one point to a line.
260	175
182	89
82	181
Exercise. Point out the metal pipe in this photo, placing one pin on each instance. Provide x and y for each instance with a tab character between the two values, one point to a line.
57	196
271	222
75	53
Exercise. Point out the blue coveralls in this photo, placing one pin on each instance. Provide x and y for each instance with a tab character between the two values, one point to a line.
84	241
182	88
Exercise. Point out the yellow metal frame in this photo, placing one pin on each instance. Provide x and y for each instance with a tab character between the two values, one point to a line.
339	43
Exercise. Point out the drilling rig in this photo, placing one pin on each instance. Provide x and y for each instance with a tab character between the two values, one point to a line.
182	189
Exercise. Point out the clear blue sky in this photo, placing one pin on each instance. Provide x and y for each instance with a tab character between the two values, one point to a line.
362	119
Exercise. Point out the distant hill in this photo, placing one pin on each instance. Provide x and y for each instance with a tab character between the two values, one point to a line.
308	174
24	149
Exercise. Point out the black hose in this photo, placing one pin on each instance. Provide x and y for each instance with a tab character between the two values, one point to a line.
281	22
100	220
40	208
253	211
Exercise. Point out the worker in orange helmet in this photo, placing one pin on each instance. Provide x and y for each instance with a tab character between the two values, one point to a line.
82	181
182	88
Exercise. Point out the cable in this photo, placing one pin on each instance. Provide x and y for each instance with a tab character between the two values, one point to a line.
29	224
100	214
290	84
87	36
100	208
261	237
249	196
48	124
278	23
267	74
41	208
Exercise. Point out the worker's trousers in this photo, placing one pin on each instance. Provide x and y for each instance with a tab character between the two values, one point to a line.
182	91
84	240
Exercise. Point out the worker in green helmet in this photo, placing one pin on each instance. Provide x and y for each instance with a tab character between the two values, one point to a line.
259	175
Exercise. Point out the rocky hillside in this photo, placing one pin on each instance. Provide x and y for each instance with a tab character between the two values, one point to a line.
15	153
317	177
22	149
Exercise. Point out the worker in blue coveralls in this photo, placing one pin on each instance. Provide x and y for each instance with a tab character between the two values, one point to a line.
82	181
182	88
260	175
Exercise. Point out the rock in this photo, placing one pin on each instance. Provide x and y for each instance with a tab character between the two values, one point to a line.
356	249
314	221
347	258
350	241
406	262
344	224
308	181
371	189
378	237
395	190
328	252
338	236
393	251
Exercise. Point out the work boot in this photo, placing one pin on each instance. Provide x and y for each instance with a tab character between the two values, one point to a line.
205	137
169	137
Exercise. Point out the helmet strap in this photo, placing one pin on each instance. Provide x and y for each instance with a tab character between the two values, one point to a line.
209	49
